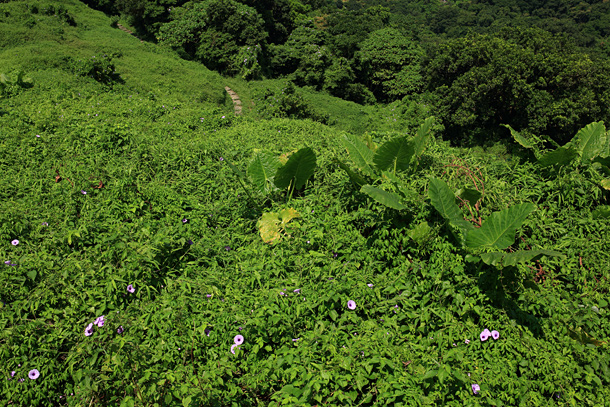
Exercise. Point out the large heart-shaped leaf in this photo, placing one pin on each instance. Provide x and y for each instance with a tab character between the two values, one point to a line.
519	138
518	257
262	170
423	136
443	200
560	156
601	212
359	153
590	141
300	166
498	231
386	198
394	155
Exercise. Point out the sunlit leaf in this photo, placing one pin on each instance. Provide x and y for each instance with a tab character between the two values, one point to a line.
519	138
590	141
472	196
360	154
443	200
262	170
423	136
386	198
498	231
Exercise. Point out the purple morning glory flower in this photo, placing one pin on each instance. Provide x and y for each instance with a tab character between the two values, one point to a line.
297	291
495	334
209	295
370	285
190	242
185	220
282	293
120	330
89	330
227	248
13	373
21	380
485	335
233	348
351	304
45	224
238	339
15	242
99	321
221	159
467	341
33	374
295	339
82	191
8	262
476	388
335	254
131	288
207	331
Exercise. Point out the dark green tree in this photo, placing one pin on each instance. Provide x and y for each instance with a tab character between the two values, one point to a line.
390	64
527	78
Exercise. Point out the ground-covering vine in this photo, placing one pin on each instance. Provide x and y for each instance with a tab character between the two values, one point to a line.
135	271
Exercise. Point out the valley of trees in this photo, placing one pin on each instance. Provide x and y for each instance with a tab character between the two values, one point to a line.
540	66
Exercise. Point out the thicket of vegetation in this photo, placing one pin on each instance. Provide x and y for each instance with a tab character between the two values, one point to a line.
355	237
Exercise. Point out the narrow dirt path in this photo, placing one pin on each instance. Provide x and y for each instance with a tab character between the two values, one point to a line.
122	28
235	99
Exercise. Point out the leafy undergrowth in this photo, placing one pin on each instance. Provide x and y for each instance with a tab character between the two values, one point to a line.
119	203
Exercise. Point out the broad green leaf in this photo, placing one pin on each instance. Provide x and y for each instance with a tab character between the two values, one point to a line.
521	256
356	178
519	138
388	199
560	156
261	171
591	140
498	231
472	196
605	183
394	155
601	212
423	136
359	153
493	259
300	166
443	200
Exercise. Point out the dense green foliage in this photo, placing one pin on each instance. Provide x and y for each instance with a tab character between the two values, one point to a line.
157	249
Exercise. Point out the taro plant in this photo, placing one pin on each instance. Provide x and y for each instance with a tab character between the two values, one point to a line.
269	173
488	242
380	163
589	149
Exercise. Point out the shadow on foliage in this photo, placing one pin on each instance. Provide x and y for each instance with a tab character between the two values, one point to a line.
494	283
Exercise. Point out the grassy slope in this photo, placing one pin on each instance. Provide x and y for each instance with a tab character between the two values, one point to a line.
159	165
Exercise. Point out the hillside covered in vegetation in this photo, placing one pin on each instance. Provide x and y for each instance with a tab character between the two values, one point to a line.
410	208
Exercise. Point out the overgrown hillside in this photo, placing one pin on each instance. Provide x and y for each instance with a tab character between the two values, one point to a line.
158	250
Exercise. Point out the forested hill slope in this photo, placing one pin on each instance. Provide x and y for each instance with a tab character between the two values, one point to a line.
541	67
